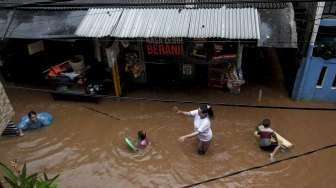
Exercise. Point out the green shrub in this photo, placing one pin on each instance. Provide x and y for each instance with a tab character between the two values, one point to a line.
22	180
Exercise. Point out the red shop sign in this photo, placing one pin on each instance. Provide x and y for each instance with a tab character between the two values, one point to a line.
165	49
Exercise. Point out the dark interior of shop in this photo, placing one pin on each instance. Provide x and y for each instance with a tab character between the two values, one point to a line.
270	67
35	64
170	66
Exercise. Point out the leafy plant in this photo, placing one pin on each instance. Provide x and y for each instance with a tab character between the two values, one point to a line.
47	182
22	180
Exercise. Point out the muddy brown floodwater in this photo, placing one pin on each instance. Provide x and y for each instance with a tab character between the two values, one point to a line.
87	149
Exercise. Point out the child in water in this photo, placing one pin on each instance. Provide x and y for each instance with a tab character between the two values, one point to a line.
268	140
142	140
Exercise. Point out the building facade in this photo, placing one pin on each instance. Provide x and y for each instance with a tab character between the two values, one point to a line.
142	42
316	77
6	109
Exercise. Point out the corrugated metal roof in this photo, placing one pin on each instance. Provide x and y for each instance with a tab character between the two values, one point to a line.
99	22
145	23
222	22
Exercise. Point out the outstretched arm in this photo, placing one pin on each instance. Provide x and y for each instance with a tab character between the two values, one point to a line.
182	138
188	113
182	112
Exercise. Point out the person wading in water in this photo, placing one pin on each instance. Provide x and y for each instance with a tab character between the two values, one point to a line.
268	140
202	127
142	140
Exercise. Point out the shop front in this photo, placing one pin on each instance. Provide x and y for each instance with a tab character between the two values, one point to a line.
108	51
175	47
188	46
181	63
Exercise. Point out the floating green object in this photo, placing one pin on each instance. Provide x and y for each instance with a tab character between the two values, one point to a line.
130	144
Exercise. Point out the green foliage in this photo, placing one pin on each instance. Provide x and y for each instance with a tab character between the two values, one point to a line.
22	180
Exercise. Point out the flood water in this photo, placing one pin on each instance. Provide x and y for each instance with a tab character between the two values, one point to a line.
86	148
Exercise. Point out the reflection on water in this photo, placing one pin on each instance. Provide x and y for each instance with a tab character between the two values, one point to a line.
88	148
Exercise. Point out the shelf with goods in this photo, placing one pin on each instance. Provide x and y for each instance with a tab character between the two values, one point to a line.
77	81
218	69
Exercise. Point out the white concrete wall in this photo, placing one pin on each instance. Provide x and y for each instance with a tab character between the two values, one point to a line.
6	109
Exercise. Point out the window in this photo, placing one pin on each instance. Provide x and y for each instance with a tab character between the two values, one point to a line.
325	45
321	77
333	86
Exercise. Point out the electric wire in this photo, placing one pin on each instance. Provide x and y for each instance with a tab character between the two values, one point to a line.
261	166
111	97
